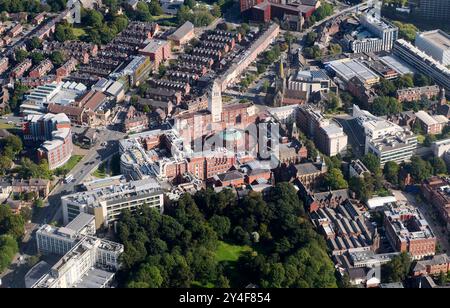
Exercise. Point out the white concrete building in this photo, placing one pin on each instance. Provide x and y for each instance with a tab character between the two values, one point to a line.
106	202
86	262
435	43
386	140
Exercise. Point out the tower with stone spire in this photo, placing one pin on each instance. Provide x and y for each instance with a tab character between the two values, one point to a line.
295	131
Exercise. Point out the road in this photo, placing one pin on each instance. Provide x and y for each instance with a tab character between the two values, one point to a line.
360	6
14	276
91	160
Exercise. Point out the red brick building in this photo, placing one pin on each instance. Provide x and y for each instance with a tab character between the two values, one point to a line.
55	132
415	94
42	69
16	30
437	192
158	51
408	231
438	264
21	68
67	68
232	178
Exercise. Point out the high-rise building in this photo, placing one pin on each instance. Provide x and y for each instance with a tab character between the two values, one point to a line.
384	34
431	10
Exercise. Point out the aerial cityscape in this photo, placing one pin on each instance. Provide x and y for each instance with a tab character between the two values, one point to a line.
217	144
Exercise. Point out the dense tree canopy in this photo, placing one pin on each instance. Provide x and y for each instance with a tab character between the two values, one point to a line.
334	179
10	223
397	269
178	248
8	249
385	105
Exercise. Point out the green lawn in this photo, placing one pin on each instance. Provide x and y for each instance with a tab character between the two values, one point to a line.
230	253
6	126
79	32
163	16
100	172
73	161
420	139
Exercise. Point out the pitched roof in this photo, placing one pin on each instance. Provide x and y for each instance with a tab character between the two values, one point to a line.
230	176
436	260
182	31
306	168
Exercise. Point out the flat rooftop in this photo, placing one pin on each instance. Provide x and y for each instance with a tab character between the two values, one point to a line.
95	278
438	38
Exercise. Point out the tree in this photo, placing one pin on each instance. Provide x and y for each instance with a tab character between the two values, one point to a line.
421	80
347	99
406	31
223	282
333	102
64	32
14	143
8	249
5	164
288	37
265	86
93	18
221	225
398	268
391	171
57	5
37	57
35	43
385	87
20	55
57	58
372	162
313	52
311	38
120	22
363	187
324	10
190	3
216	12
442	279
11	224
26	213
385	105
405	81
146	109
38	202
335	49
429	140
334	179
420	170
439	166
156	9
150	275
162	70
